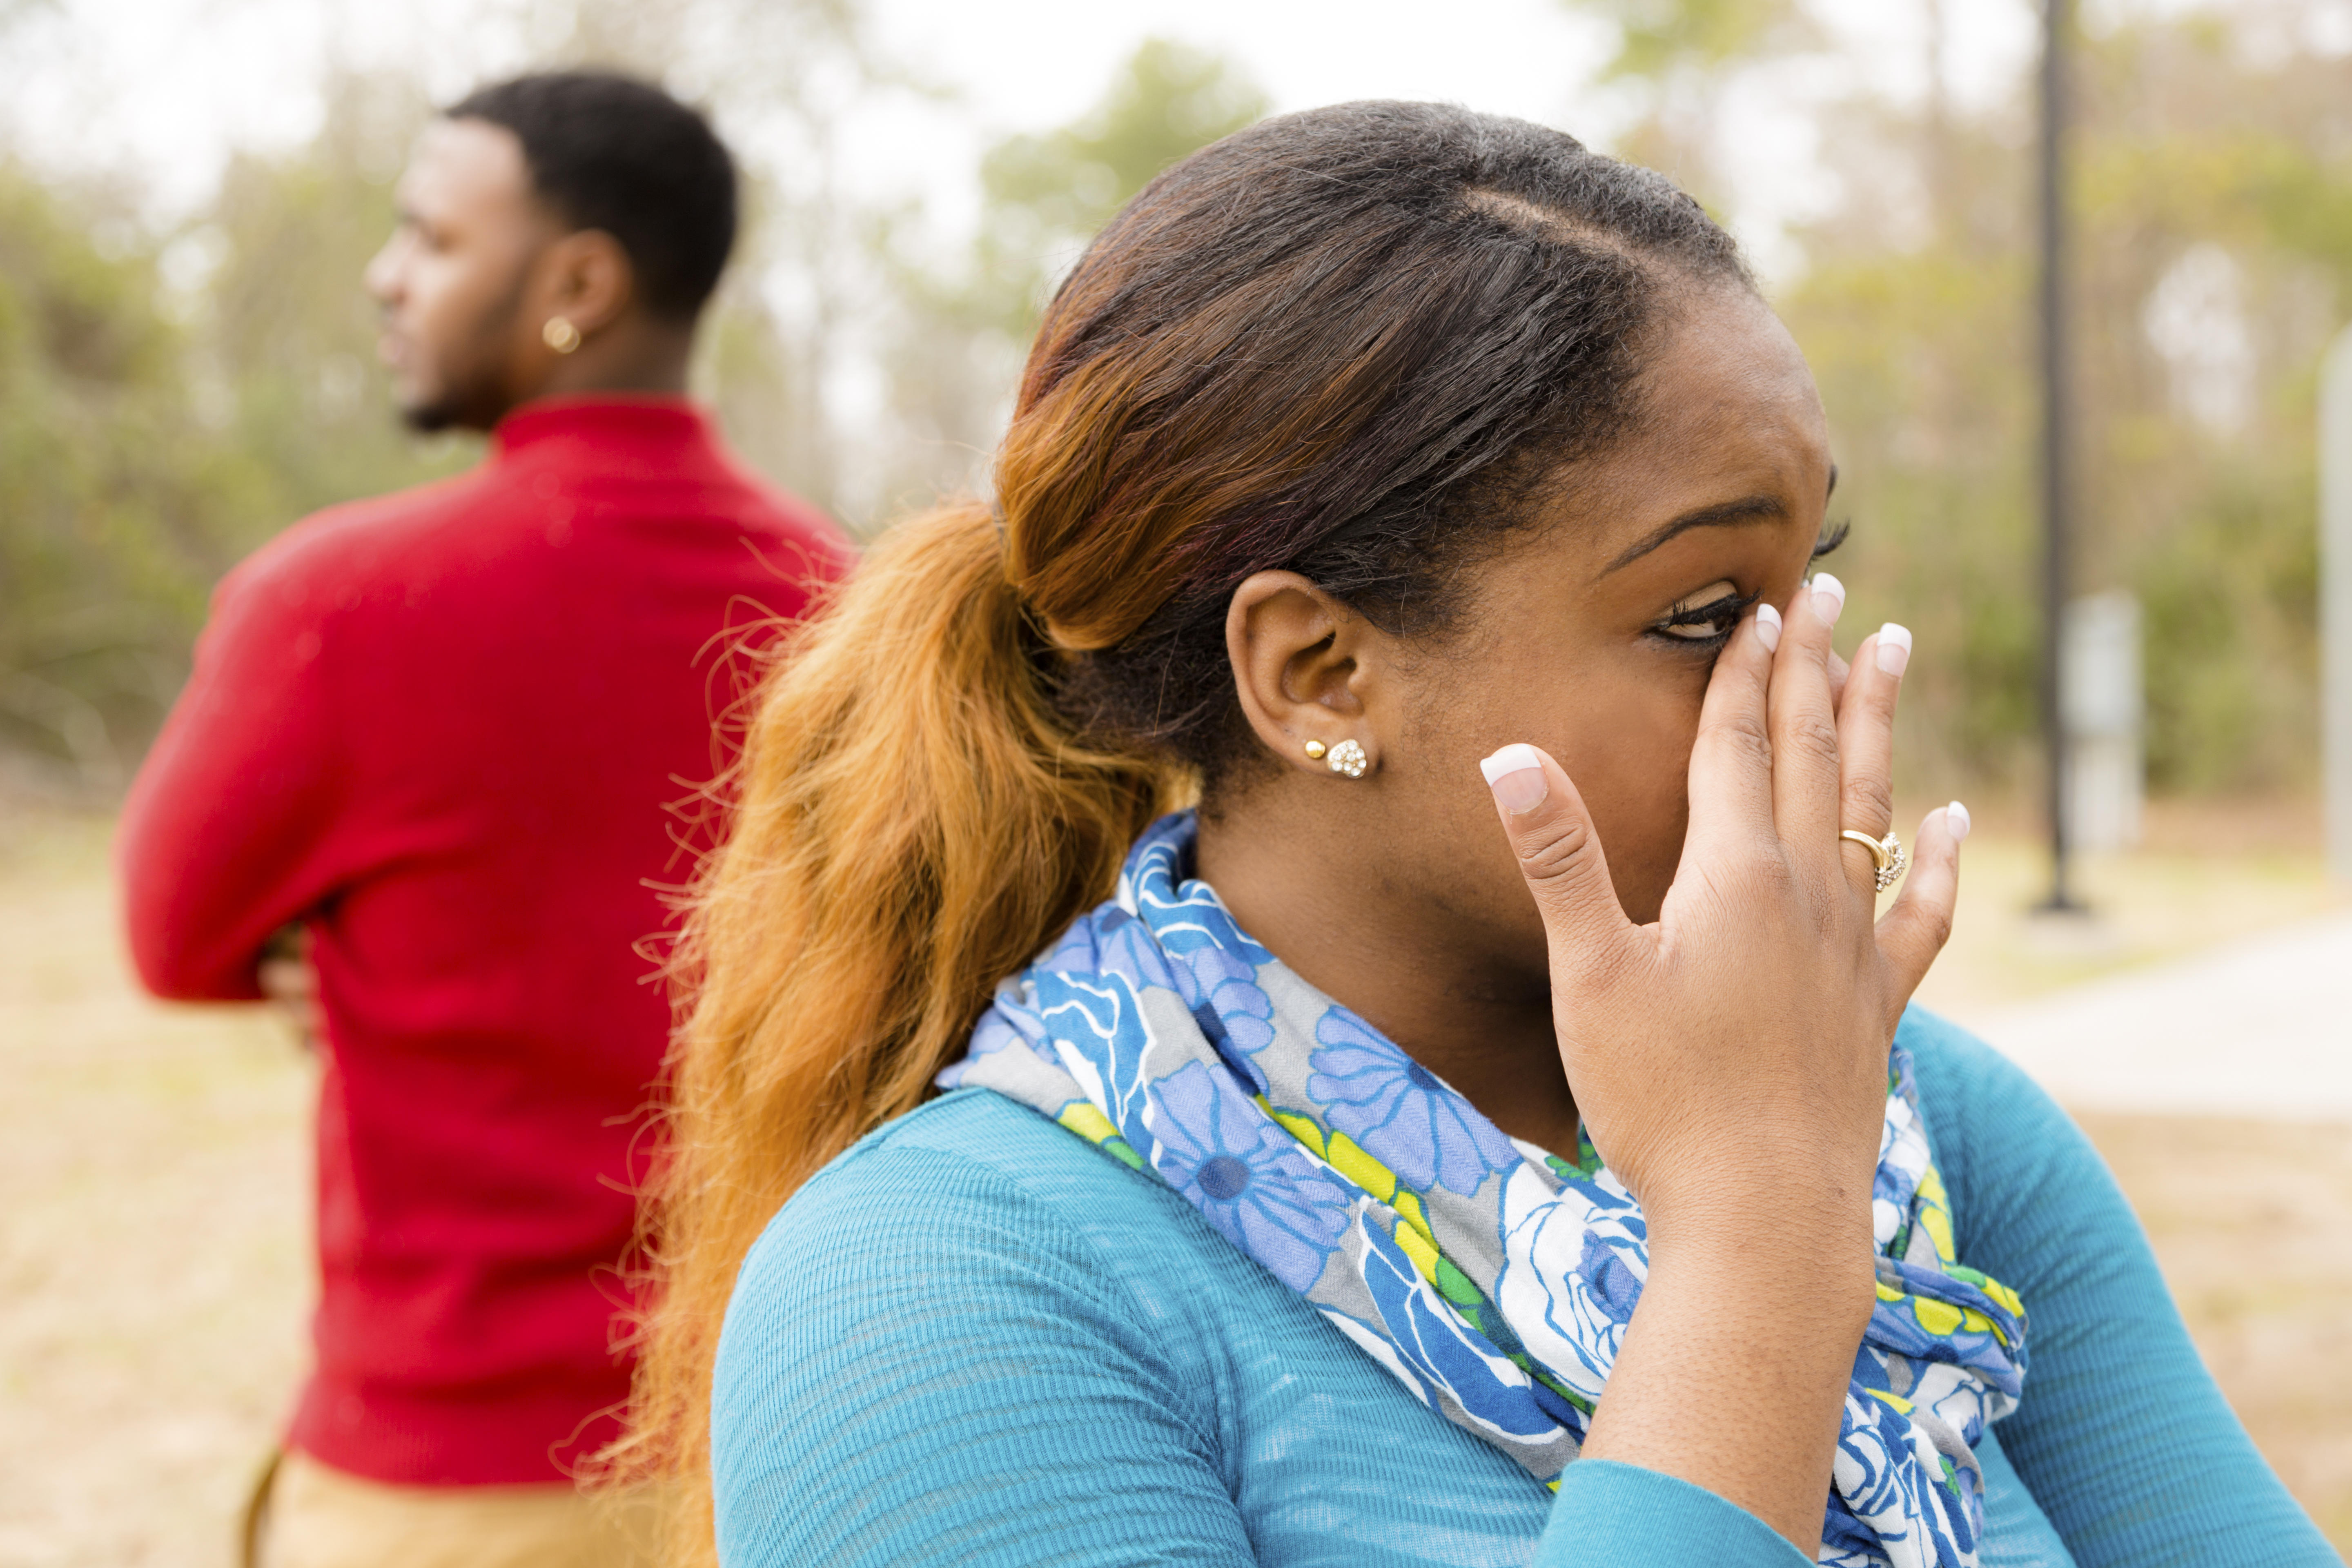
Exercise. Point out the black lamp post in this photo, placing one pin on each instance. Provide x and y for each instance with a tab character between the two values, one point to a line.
2057	426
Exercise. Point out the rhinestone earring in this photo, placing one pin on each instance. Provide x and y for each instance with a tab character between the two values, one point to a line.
1348	759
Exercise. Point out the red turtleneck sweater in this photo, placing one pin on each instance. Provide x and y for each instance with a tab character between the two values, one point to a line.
441	730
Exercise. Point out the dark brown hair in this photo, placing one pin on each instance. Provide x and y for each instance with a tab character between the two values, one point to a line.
1344	342
609	152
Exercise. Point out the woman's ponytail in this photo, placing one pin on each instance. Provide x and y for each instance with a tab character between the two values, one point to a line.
915	822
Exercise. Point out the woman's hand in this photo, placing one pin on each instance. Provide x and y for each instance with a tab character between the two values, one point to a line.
1730	1060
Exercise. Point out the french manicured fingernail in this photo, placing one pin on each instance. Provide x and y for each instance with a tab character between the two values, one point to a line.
1955	817
1767	627
1515	775
1894	647
1829	598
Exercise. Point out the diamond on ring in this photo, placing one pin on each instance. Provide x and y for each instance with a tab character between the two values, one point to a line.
1888	858
1898	860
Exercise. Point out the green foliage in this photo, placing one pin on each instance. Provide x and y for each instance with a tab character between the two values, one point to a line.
962	335
1044	197
1918	360
169	402
287	333
1679	56
93	489
1916	313
1052	193
1659	37
151	437
2227	601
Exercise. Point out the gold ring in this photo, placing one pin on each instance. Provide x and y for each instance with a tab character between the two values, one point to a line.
1888	858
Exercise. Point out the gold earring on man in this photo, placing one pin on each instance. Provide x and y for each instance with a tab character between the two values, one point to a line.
561	334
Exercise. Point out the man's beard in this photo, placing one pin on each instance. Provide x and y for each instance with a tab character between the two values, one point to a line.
473	398
430	419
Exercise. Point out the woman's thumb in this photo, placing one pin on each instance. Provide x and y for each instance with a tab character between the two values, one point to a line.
1552	834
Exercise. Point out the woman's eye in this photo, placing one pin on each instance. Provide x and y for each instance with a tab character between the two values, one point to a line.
1707	623
1708	616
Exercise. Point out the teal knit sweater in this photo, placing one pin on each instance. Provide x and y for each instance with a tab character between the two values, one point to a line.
974	1339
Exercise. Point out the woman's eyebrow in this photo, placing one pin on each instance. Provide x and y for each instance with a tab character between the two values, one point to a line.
1725	514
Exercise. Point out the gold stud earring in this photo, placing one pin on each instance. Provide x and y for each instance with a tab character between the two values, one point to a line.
1314	751
1348	758
561	334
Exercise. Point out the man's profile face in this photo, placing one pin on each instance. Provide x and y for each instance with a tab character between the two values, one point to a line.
451	278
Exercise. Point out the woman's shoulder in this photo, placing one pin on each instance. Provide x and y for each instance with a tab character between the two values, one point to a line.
974	1332
971	1218
910	1321
975	1150
1969	1091
1959	1073
1018	1211
2005	1150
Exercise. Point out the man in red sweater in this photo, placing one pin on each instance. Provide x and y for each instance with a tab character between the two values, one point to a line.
437	732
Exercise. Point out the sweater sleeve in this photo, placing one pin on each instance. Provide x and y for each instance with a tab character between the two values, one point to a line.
220	838
2122	1435
1610	1515
921	1365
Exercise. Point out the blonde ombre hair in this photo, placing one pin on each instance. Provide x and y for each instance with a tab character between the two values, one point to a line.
1343	342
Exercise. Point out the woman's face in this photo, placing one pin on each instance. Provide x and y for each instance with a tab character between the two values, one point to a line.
1591	635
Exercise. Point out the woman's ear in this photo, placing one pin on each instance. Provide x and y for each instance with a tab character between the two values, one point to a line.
1304	667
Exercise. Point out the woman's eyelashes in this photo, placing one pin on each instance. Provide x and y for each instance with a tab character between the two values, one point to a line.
1705	621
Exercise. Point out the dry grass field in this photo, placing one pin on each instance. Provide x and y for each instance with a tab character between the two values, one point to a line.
2252	1221
153	1255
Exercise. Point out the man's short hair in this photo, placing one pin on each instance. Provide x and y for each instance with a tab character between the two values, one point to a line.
610	151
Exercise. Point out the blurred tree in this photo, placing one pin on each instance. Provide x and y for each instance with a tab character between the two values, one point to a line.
957	350
284	361
2214	216
107	520
2214	221
168	402
1659	37
1046	196
1680	57
2216	193
779	77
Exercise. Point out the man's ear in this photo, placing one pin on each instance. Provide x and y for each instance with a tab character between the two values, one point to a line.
1304	667
587	279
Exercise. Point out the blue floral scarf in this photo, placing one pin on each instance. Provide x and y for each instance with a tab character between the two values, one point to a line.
1493	1280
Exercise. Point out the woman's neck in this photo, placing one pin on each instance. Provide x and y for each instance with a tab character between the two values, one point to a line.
1421	974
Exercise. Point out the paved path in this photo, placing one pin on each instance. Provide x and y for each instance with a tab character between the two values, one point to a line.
2262	1027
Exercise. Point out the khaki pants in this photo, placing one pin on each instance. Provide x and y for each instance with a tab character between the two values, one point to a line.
310	1515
